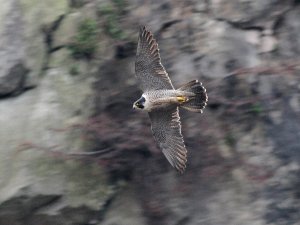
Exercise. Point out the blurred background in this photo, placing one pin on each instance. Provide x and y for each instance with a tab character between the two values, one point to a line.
72	150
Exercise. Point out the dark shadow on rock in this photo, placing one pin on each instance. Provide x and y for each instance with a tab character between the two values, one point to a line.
12	84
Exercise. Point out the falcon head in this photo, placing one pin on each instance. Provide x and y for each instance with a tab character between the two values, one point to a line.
139	104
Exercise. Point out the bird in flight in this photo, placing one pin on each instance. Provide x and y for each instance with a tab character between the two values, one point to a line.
161	100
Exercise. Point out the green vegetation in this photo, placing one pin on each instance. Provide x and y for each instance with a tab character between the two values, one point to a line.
256	109
111	14
76	3
113	28
230	140
85	42
120	4
74	70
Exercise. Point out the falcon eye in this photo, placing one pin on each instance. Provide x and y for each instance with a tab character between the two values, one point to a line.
139	105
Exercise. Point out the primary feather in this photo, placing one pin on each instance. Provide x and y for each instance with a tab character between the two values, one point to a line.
150	73
166	130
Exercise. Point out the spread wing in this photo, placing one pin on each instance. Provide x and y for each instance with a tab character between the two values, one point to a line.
166	130
149	71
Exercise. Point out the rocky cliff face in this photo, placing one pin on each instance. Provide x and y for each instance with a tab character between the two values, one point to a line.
72	151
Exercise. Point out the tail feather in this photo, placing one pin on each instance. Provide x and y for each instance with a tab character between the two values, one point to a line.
197	102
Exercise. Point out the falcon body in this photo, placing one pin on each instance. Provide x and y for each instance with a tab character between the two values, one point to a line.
161	100
153	100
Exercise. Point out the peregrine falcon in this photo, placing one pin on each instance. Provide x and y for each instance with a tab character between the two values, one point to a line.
161	100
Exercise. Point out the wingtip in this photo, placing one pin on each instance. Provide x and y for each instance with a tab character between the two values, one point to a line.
181	170
142	29
145	32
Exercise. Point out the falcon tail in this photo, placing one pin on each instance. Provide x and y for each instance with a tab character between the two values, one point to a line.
197	102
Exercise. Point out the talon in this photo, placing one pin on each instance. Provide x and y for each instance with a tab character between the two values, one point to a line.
182	99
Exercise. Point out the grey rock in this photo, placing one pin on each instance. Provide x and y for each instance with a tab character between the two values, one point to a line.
125	210
32	180
67	30
268	44
13	71
288	34
35	16
227	52
13	82
72	151
249	13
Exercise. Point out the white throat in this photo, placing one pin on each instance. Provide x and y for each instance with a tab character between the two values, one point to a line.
147	103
